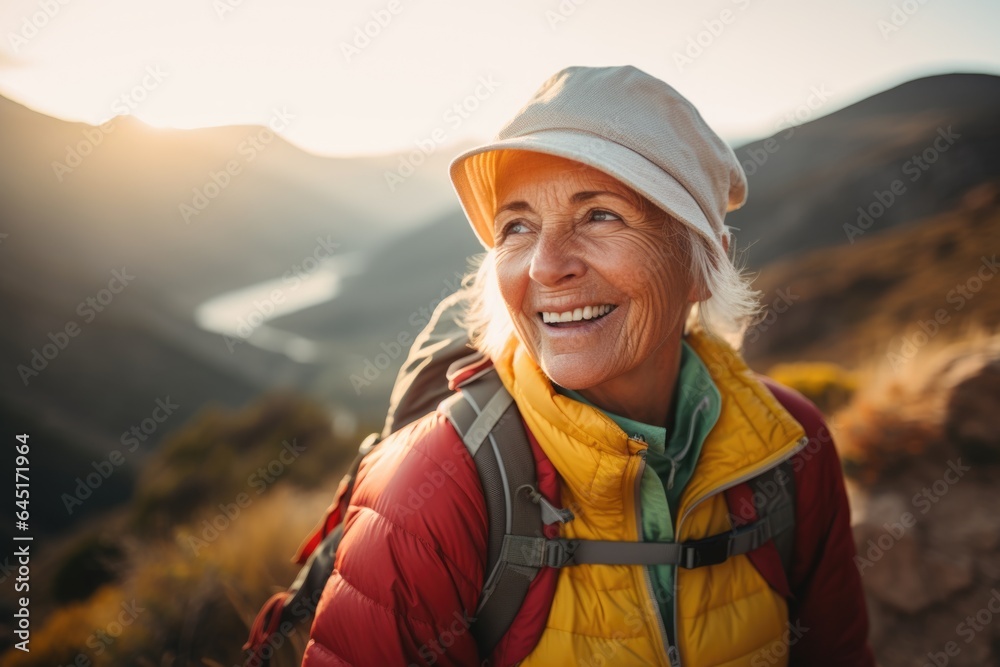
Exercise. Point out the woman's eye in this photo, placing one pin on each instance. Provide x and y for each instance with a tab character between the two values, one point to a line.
514	227
603	216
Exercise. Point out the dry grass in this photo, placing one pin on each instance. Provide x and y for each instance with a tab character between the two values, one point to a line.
183	608
203	545
200	586
856	302
899	411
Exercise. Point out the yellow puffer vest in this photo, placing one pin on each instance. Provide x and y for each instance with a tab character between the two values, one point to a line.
606	614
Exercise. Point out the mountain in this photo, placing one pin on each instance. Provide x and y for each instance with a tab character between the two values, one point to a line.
886	297
114	239
899	156
101	275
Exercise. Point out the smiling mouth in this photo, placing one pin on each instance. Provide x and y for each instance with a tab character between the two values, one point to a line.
577	317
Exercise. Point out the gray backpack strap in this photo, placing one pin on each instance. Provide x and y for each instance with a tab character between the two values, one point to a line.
691	554
774	493
486	417
774	498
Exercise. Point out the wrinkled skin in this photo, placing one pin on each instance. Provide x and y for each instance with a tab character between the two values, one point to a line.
568	235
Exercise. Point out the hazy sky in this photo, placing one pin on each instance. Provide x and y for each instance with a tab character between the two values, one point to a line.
447	71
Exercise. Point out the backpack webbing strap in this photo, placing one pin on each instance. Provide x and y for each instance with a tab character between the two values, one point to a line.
485	416
696	553
776	489
486	421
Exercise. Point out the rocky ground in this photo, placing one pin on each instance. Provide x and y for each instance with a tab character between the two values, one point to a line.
928	528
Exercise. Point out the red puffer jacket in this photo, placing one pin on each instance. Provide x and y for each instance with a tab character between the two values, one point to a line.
409	571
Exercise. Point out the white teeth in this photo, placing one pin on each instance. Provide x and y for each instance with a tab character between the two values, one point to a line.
585	313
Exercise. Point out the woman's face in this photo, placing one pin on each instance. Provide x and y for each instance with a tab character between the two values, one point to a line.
573	243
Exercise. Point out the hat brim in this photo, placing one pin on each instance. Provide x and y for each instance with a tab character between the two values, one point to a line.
473	174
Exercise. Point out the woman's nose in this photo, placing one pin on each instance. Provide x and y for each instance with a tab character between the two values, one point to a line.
555	260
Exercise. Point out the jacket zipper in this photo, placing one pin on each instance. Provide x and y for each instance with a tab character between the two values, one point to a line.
799	445
645	570
673	655
675	460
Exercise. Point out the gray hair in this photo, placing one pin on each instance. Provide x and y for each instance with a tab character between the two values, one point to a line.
727	313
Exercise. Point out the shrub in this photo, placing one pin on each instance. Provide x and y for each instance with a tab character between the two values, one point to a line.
827	385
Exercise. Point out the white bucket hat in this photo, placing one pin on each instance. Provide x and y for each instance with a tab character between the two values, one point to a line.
627	124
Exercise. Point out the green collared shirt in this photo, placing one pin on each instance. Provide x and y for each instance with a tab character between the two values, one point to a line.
697	404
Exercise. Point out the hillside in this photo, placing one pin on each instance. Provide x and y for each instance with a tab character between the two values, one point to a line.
906	312
886	295
65	234
934	137
119	209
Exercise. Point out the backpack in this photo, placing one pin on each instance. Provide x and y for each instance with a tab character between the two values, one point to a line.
487	419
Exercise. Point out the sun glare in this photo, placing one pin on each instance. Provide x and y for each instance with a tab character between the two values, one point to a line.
378	76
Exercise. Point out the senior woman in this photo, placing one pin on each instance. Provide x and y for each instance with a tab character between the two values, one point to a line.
602	304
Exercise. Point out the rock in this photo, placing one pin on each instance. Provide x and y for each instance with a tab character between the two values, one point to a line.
909	565
966	520
945	575
896	579
989	566
972	419
889	555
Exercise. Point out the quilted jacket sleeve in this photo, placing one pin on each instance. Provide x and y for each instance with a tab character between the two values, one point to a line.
409	571
828	615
